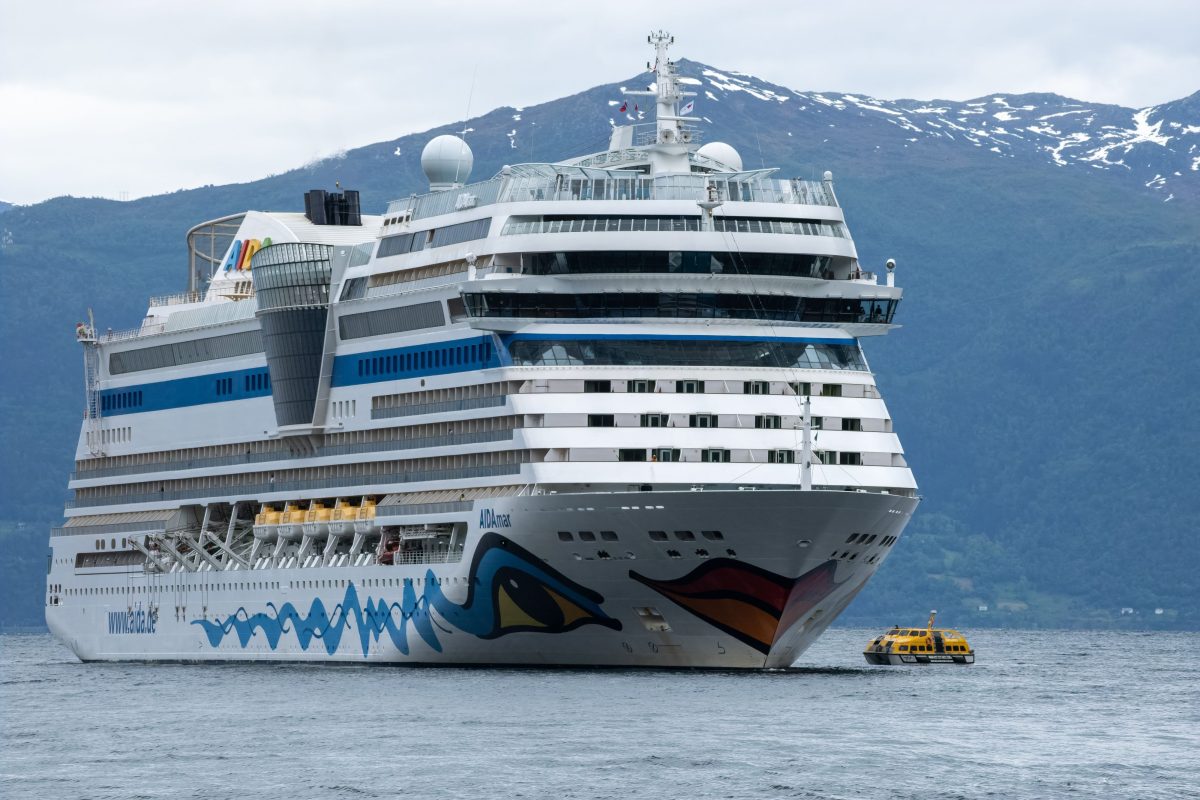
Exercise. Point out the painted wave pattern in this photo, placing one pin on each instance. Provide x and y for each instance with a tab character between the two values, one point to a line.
510	591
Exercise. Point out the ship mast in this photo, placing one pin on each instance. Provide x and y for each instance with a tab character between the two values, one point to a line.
669	152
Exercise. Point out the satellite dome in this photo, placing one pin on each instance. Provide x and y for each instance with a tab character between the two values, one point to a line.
447	162
723	153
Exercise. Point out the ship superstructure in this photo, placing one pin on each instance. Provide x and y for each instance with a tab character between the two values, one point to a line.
608	411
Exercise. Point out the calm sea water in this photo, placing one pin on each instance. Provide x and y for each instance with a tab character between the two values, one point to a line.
1041	715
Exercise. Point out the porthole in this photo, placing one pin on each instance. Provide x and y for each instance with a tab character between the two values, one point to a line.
565	536
608	536
658	536
713	536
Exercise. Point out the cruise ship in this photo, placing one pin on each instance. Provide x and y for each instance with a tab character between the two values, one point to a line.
608	411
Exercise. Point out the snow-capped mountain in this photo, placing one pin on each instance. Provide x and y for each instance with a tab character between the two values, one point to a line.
1158	146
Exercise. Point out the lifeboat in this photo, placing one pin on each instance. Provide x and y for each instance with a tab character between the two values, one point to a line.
365	519
266	523
928	645
316	519
291	520
341	521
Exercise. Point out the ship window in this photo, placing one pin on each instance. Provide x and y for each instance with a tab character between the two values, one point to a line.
665	454
600	421
714	536
689	387
904	647
631	455
831	390
587	536
658	536
702	421
850	458
685	536
641	387
781	456
608	536
673	554
714	455
756	387
597	386
852	538
654	420
850	424
565	536
767	421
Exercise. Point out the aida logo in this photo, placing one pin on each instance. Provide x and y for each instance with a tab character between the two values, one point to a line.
241	252
134	621
490	519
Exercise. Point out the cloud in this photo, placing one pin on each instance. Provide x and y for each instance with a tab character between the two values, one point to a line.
141	97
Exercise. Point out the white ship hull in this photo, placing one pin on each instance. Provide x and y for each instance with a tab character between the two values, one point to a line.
521	595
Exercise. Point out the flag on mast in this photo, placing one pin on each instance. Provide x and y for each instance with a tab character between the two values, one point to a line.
624	107
687	108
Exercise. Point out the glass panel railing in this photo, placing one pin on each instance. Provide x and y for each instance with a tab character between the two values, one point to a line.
571	184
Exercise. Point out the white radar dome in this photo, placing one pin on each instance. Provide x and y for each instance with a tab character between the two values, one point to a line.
447	162
724	153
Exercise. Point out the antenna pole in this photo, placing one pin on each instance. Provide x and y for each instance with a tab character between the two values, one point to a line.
806	453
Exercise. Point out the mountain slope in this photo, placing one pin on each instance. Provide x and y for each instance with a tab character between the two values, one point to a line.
1037	383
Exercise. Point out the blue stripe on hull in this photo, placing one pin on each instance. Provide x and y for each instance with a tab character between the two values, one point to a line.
375	366
184	392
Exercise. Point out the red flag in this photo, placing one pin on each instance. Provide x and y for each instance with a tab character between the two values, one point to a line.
624	106
635	108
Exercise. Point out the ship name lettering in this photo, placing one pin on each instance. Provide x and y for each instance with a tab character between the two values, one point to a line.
135	621
490	519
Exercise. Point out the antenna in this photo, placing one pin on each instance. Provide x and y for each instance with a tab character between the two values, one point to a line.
467	119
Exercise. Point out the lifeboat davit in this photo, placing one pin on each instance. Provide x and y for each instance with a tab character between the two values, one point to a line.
928	645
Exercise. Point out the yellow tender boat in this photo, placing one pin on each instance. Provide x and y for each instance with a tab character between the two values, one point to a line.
928	645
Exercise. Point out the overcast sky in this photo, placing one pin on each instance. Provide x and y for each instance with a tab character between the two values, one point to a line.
123	98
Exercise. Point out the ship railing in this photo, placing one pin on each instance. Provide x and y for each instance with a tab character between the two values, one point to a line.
575	183
253	489
435	557
416	443
146	329
179	298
